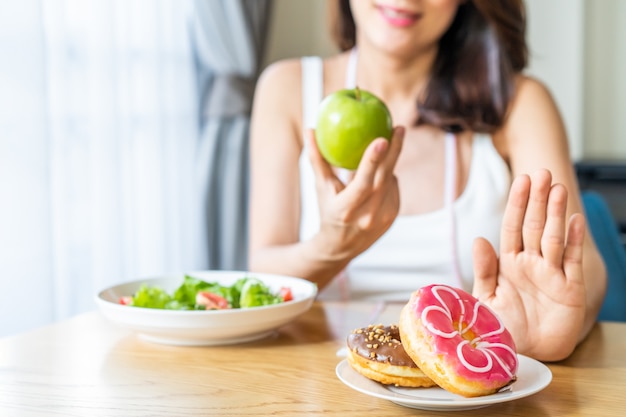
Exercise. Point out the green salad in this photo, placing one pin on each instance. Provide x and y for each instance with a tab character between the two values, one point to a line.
196	294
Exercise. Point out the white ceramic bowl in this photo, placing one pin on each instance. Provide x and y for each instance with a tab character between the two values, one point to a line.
206	327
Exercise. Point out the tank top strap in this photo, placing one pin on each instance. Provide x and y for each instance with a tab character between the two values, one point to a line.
450	190
312	88
450	175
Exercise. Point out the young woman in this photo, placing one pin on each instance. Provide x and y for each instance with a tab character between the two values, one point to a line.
476	189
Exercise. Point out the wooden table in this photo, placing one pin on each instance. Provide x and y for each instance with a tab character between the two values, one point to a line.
88	367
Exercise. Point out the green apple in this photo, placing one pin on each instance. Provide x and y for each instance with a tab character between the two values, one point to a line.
347	122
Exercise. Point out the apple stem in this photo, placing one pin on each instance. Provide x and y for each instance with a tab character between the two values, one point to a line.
357	93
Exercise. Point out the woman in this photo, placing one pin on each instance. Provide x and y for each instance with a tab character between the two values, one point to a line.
437	203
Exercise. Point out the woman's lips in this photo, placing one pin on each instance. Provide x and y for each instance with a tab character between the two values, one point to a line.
398	17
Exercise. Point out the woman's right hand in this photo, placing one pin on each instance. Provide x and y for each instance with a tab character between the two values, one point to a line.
354	215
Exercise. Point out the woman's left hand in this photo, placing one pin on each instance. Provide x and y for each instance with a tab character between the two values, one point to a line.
536	284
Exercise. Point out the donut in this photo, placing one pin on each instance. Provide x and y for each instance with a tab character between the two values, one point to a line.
458	341
376	352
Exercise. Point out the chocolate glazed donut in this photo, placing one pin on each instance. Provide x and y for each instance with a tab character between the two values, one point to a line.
376	352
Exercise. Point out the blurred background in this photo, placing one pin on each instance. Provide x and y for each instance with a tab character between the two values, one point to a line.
123	131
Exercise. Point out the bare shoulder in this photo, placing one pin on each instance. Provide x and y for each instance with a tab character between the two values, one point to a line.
283	72
531	92
281	81
277	99
533	116
532	99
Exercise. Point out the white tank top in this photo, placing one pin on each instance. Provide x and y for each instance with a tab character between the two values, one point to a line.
417	250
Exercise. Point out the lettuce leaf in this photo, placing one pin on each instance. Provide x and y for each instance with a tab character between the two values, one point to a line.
254	294
151	297
244	293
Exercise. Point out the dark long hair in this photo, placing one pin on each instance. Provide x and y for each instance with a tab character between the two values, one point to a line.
472	80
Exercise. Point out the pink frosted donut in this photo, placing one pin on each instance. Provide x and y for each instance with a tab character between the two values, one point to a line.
457	341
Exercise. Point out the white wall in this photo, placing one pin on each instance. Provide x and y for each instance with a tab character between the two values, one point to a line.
605	81
556	51
577	47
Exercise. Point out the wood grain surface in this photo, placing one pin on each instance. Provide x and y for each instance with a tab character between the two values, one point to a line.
87	366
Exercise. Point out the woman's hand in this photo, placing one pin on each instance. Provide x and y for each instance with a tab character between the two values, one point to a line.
536	285
356	214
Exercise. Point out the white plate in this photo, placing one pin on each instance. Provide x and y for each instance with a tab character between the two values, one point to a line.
206	327
532	377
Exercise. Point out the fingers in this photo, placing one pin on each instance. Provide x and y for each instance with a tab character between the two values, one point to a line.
485	269
535	216
320	165
573	254
395	147
511	233
323	171
371	161
377	165
553	237
535	221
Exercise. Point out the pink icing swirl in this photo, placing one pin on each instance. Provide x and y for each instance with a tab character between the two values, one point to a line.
467	333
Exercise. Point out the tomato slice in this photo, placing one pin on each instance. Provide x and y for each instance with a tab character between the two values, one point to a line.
286	293
211	301
126	300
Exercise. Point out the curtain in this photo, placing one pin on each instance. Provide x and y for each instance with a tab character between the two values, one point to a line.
227	71
98	141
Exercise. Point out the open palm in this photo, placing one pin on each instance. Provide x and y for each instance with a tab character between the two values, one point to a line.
536	284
